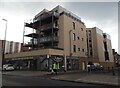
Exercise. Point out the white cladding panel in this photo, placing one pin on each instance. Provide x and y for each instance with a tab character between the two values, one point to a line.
6	46
99	31
108	36
19	47
13	47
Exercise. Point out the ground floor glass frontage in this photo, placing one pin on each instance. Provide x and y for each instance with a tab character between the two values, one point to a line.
44	62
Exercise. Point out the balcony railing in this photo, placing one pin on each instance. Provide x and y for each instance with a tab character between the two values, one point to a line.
46	16
34	24
31	41
49	39
48	26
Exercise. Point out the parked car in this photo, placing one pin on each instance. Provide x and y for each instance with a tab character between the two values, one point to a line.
8	67
97	66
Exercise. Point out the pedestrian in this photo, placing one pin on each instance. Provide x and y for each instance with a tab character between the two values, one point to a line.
52	72
108	69
63	67
55	68
88	68
113	72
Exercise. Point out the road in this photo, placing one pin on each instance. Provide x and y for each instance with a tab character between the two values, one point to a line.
38	81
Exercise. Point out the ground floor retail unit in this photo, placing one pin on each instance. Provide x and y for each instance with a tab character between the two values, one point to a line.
44	62
44	59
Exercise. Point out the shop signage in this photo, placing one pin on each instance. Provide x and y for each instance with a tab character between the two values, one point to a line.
57	59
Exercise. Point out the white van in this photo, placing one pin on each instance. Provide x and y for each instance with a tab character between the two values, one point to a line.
8	67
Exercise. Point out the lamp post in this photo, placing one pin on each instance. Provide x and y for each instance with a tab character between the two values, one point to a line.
4	42
70	48
24	32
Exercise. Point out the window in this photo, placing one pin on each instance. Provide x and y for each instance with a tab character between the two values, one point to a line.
105	46
82	39
73	25
106	56
74	36
56	34
83	50
90	45
56	23
78	49
90	38
104	36
56	11
82	29
78	37
91	53
74	48
89	32
90	41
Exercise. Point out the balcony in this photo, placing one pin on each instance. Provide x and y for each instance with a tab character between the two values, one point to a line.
31	25
48	27
48	39
34	35
31	43
46	17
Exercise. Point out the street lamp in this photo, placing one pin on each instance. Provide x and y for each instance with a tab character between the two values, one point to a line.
4	41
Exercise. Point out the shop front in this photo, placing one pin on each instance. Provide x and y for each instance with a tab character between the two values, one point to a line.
41	62
72	63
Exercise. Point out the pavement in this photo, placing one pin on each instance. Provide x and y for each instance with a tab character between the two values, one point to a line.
25	73
106	79
73	76
0	79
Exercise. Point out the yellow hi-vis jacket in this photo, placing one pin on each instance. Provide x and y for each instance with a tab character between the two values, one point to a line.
54	66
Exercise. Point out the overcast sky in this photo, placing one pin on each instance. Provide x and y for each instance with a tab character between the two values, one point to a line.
103	15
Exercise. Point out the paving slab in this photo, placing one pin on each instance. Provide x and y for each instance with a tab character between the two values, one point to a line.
105	79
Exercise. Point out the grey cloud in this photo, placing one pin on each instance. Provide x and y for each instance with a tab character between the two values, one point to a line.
30	8
88	10
94	10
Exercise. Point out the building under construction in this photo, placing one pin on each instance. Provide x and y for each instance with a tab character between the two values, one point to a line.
58	36
46	30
